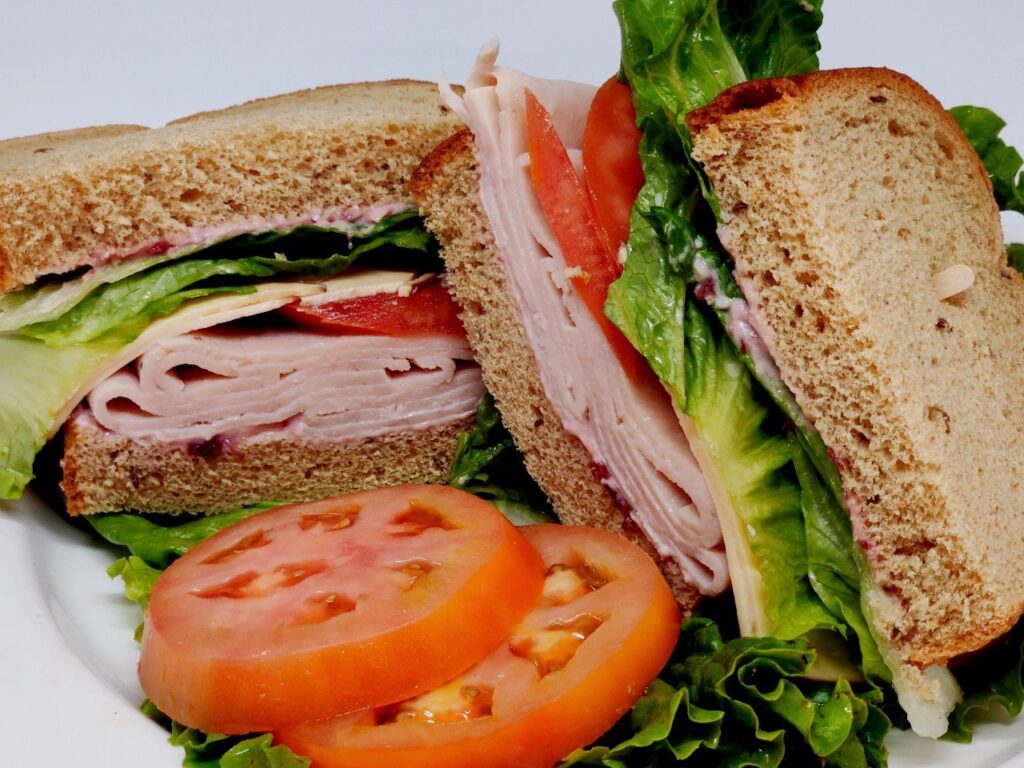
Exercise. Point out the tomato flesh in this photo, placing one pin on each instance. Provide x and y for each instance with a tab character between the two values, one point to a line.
603	627
311	610
428	310
611	159
567	209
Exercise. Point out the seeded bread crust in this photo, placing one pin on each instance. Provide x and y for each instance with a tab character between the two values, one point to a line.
106	472
446	188
842	194
73	198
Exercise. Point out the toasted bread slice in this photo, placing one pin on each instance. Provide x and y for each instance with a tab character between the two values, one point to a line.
79	197
843	195
446	188
106	472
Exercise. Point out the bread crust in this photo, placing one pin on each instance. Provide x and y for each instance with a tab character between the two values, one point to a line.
917	398
105	472
446	188
82	197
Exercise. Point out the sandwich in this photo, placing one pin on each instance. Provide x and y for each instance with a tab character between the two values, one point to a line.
811	269
242	306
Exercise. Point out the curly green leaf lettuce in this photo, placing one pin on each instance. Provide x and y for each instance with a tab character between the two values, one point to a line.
159	544
745	702
215	750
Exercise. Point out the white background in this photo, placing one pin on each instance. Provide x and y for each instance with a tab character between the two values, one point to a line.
65	644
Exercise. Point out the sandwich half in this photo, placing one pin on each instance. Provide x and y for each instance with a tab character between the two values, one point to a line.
880	288
829	310
599	436
241	306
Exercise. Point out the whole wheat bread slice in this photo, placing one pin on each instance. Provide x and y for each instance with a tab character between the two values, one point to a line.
106	472
70	198
446	188
843	194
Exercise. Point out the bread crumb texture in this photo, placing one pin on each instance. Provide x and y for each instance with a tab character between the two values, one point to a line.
73	198
843	194
105	472
445	186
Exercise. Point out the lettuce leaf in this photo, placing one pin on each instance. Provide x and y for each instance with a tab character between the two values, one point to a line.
675	54
158	544
753	461
1015	256
124	308
834	563
35	384
745	702
992	677
488	465
139	578
773	37
215	750
982	127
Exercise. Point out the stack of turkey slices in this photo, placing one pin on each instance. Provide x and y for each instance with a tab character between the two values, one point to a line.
605	448
142	270
845	198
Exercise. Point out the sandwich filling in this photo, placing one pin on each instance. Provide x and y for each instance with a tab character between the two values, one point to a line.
190	345
628	426
232	383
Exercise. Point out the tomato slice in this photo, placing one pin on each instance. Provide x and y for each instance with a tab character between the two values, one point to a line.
312	610
611	159
426	311
567	210
603	628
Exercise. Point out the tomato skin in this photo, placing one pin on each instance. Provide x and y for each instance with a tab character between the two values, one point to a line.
534	722
228	665
568	211
426	311
611	159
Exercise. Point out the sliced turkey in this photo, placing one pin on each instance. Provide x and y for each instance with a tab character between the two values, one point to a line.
628	427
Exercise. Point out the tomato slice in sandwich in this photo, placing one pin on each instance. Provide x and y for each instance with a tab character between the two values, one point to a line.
611	159
603	628
567	208
313	610
427	310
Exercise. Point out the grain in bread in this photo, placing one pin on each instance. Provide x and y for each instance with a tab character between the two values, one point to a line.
843	193
105	472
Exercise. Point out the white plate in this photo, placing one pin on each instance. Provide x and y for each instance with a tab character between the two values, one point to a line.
67	685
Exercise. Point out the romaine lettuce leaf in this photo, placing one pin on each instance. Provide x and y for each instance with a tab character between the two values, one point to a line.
35	384
773	37
647	301
675	54
752	459
834	563
769	459
745	702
